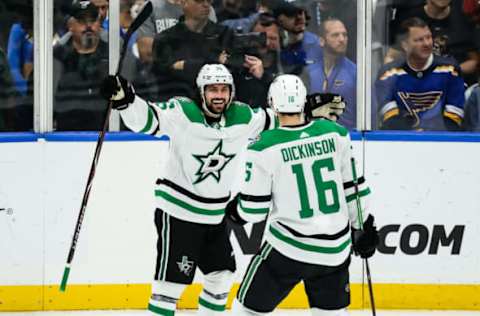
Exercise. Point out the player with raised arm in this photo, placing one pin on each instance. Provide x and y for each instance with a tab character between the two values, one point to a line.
300	175
208	141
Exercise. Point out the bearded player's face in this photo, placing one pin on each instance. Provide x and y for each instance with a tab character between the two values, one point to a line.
217	97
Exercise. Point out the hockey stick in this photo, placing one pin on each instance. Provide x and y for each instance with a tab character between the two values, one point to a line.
142	16
360	220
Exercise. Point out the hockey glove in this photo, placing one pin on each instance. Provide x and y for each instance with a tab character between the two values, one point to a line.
326	105
365	241
231	211
117	90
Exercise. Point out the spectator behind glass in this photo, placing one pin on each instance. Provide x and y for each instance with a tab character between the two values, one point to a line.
128	12
20	59
344	10
300	48
165	15
386	11
20	46
80	62
423	91
7	96
452	34
102	6
472	110
333	72
61	14
251	90
246	23
386	14
230	9
183	49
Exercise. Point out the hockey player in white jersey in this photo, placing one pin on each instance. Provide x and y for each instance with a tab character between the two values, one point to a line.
300	175
208	142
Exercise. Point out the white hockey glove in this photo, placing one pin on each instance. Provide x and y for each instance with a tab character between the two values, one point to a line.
325	105
117	90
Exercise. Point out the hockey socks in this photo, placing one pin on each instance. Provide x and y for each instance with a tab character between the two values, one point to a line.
162	305
213	299
164	298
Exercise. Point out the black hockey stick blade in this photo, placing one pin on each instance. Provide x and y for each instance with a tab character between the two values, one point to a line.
142	16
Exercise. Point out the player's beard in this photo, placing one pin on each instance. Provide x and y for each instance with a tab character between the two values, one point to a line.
217	108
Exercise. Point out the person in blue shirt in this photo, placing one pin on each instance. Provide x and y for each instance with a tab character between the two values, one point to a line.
125	18
300	48
20	48
7	95
333	72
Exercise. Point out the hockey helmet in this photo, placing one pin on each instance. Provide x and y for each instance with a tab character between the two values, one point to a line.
287	94
214	74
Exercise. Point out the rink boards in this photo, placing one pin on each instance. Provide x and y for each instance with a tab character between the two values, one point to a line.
426	199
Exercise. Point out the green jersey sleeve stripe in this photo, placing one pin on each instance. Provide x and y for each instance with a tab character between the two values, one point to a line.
253	210
148	125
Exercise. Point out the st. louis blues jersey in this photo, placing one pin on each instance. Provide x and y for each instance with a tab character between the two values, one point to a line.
303	178
432	99
204	161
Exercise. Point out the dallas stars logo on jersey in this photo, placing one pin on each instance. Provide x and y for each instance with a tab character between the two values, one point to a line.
212	163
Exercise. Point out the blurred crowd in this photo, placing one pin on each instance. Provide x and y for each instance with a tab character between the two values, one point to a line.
425	56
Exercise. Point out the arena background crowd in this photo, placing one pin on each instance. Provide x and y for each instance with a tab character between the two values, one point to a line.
424	57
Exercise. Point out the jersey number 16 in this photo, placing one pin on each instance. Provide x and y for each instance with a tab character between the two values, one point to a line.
322	188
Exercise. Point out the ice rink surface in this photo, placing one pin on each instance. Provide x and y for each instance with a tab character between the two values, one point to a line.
283	312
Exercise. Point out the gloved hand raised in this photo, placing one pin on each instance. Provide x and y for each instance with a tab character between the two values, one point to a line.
117	90
365	241
326	105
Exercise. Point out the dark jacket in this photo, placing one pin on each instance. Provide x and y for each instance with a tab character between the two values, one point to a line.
196	49
77	78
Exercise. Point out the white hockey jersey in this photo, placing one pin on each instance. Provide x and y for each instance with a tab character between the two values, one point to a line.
303	178
204	161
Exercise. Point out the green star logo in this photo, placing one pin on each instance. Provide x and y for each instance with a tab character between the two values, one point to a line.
212	163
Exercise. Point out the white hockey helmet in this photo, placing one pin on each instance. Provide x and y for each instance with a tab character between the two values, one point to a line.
214	74
287	94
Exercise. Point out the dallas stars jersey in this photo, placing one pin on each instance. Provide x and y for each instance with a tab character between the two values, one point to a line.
203	161
303	177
